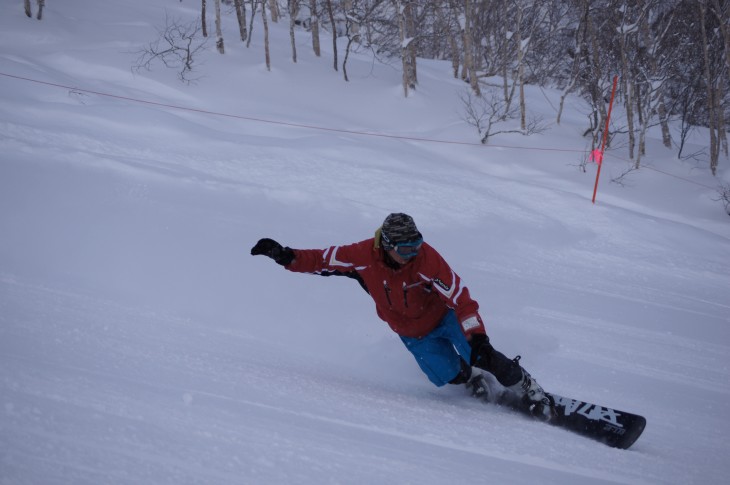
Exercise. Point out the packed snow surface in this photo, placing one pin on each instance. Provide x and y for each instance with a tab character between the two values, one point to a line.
141	343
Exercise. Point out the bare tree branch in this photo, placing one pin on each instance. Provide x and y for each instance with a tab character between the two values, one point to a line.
724	196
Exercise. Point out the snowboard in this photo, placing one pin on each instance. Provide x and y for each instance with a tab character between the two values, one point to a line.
618	429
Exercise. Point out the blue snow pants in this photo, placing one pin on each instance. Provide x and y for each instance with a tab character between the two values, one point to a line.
440	352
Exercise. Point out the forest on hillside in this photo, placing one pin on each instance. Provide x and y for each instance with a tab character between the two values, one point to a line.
671	58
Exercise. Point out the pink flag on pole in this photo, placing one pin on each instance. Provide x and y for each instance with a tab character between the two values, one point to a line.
597	156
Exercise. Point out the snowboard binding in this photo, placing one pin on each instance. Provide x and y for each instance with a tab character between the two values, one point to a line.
479	387
544	410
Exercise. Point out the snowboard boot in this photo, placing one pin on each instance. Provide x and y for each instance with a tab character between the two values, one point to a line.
540	403
512	376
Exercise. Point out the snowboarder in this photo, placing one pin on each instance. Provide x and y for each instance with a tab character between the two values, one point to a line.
422	300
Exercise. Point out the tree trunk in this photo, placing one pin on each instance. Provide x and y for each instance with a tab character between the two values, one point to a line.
28	11
631	89
218	31
314	25
627	86
266	35
721	131
331	14
274	9
404	11
203	21
521	69
350	40
723	17
568	89
652	42
254	4
411	51
402	37
644	120
352	32
241	16
664	122
41	4
711	104
571	83
448	32
469	50
594	87
293	10
643	114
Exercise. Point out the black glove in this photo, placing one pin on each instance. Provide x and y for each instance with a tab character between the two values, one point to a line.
481	350
274	250
507	371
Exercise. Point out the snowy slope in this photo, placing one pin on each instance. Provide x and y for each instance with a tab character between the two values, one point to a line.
141	343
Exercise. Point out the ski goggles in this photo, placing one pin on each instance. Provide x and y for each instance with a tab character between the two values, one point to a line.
405	250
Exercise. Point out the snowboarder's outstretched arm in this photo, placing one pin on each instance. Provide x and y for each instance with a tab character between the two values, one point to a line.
285	256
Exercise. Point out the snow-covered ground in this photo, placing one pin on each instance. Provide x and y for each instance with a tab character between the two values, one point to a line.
141	343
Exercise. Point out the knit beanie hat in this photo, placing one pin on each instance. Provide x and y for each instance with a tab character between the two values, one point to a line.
399	228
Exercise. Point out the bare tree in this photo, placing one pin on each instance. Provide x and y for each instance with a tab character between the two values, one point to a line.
489	114
657	54
331	13
274	9
404	14
412	20
447	27
723	192
29	10
352	31
218	31
595	84
578	54
711	101
176	47
357	14
722	15
203	19
241	16
653	69
622	178
314	26
688	101
469	61
254	4
522	44
628	41
293	7
266	35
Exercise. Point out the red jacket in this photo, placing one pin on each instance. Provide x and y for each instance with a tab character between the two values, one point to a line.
411	299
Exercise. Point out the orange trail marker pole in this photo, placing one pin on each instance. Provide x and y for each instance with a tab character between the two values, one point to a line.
597	155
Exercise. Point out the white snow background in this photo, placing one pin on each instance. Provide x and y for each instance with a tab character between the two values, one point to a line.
140	343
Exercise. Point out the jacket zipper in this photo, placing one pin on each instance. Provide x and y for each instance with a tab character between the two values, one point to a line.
387	292
405	294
